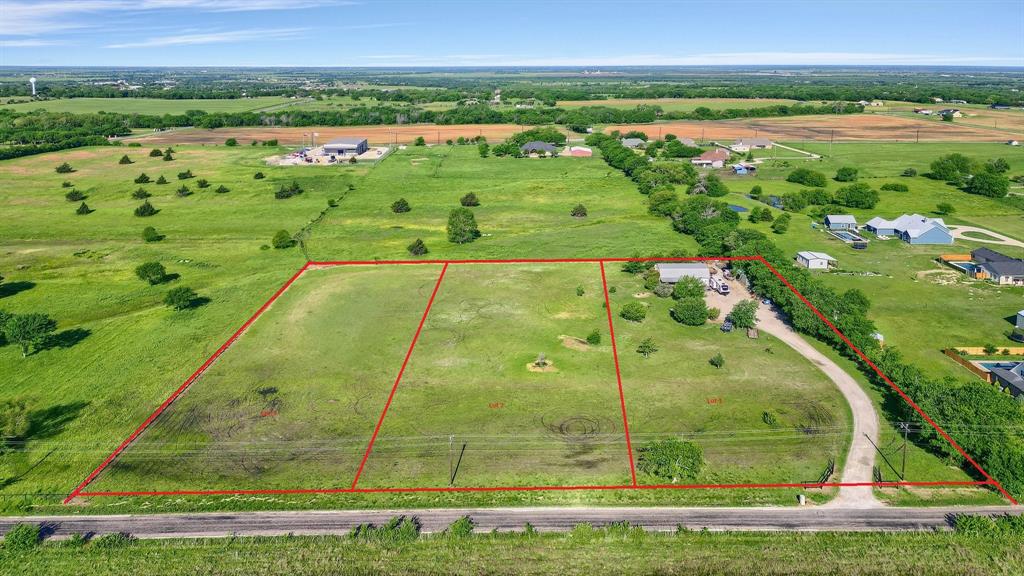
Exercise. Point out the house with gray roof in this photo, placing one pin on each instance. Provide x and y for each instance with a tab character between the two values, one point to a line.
634	142
1009	377
997	267
912	229
346	146
840	222
673	272
537	147
747	144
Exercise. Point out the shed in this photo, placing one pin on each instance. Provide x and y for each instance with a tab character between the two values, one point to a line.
840	222
814	260
345	146
538	147
1020	319
580	151
672	272
634	142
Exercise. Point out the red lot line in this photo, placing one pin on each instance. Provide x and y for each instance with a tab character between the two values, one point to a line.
618	373
131	438
990	481
394	388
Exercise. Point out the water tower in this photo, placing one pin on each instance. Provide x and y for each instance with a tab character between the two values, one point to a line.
32	81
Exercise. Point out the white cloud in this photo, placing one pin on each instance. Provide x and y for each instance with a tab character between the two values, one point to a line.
222	37
28	43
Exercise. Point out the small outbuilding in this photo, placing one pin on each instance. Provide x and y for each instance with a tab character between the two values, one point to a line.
537	147
743	169
346	146
673	272
815	260
580	151
634	142
1020	319
840	222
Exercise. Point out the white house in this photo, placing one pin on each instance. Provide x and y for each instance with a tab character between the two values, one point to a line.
672	272
748	144
912	229
840	222
815	260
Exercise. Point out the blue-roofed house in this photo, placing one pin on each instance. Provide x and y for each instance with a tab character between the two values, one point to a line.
913	229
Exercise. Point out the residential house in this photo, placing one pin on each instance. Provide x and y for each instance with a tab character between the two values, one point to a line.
997	267
634	142
840	222
537	147
748	144
687	142
1012	378
912	229
712	158
672	272
815	260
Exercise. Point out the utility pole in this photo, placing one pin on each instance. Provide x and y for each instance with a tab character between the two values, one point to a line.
917	138
831	137
903	467
451	463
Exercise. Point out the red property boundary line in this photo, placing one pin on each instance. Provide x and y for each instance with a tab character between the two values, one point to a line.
618	373
80	489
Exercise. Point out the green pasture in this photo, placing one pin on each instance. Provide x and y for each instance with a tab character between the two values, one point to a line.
680	104
155	106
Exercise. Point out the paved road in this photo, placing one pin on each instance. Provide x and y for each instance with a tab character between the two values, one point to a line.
860	460
509	519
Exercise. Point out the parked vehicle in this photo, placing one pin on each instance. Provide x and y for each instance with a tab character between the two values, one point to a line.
719	286
727	326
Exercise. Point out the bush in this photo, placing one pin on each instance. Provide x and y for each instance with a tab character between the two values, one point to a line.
469	199
714	313
807	177
989	184
858	195
633	312
671	459
83	209
180	298
462	226
690	311
717	360
22	537
149	234
203	183
168	156
909	172
146	209
161	180
222	189
152	272
64	168
288	191
185	175
74	196
945	208
594	338
183	191
756	192
846	174
998	165
419	141
400	206
155	152
461	528
579	211
417	248
66	184
125	160
781	224
258	176
231	142
744	314
141	194
663	290
688	287
646	348
282	239
142	178
484	149
895	187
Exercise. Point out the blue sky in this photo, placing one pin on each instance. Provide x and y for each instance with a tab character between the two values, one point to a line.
521	32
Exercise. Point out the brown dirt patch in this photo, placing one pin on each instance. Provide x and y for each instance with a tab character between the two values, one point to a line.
574	343
642	295
550	367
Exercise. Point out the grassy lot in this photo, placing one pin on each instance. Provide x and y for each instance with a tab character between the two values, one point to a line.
679	104
677	392
583	551
156	106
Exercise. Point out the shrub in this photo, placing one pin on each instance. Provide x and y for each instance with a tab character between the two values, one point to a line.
462	226
646	348
203	183
22	537
858	195
846	174
756	192
781	224
652	278
714	313
580	290
142	178
271	142
222	189
155	152
161	180
594	338
145	209
663	290
125	160
895	187
258	176
717	360
807	177
989	184
469	199
74	196
149	234
399	530
690	311
579	211
152	272
633	312
419	141
111	541
66	184
282	239
168	156
180	298
83	209
688	287
185	175
183	191
231	142
417	248
945	208
909	172
288	191
671	459
484	149
998	165
64	168
141	194
744	314
400	206
461	528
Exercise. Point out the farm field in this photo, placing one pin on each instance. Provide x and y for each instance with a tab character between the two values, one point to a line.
679	104
978	115
154	106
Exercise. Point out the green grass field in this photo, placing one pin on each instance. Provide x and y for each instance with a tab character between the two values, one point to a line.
679	104
154	106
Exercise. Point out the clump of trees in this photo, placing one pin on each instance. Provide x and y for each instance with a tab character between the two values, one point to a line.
288	191
857	195
469	199
462	227
672	459
986	179
807	177
282	239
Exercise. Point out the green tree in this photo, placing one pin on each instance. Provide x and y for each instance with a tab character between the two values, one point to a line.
185	175
998	165
282	239
152	272
717	360
688	287
417	248
168	156
945	208
744	314
400	206
231	142
989	184
594	338
74	196
149	234
671	459
222	189
142	178
29	331
951	167
469	199
781	224
155	152
633	312
419	141
203	183
462	226
646	348
180	298
83	209
807	177
579	211
183	191
161	180
64	168
258	176
857	195
145	209
484	149
14	422
125	160
141	194
690	311
909	172
846	174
